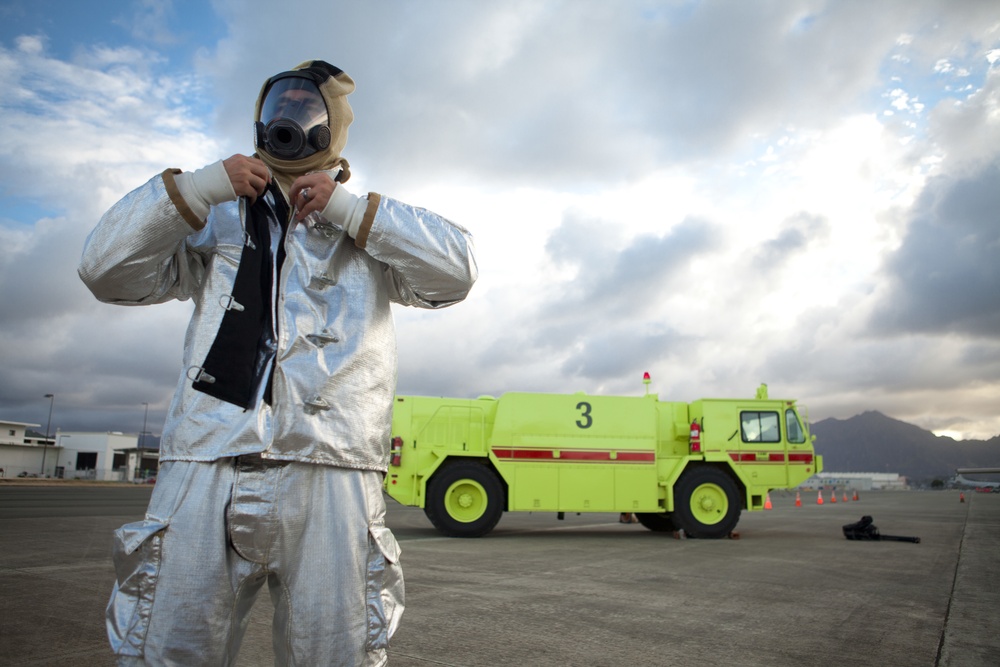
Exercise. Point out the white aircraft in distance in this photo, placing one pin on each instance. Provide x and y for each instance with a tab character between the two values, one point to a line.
964	481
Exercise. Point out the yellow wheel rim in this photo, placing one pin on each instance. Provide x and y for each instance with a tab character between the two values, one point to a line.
465	500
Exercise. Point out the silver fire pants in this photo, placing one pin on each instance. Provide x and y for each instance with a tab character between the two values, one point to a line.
214	533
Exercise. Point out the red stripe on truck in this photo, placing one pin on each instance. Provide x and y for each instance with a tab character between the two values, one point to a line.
574	455
772	457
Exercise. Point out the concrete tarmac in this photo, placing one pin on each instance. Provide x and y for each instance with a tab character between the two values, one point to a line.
587	590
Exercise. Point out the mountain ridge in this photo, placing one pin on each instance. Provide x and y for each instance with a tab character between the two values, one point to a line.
874	442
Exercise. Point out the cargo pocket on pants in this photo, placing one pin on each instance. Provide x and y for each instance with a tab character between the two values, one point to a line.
136	558
384	592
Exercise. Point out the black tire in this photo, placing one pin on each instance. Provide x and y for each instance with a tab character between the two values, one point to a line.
464	499
706	503
660	523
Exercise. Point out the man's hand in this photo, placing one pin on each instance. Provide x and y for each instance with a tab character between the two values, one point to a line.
311	193
248	175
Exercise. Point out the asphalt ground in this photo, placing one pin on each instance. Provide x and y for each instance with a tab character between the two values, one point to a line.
585	591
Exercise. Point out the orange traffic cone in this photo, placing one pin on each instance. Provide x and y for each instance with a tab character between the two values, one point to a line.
961	497
819	498
798	499
833	496
855	496
845	496
767	502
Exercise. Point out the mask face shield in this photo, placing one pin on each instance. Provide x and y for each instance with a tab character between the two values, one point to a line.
293	119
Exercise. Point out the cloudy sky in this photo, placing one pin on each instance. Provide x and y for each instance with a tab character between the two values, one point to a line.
799	192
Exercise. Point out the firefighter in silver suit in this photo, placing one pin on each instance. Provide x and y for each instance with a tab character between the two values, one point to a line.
276	442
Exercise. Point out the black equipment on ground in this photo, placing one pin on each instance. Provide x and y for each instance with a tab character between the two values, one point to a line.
866	530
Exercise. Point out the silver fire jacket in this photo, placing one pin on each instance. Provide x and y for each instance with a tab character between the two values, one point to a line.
328	390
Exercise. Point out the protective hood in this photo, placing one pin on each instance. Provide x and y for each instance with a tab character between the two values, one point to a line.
323	149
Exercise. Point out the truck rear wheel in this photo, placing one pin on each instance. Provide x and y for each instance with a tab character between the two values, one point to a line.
464	500
706	503
661	523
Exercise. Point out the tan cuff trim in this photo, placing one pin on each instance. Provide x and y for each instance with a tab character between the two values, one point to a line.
175	196
361	240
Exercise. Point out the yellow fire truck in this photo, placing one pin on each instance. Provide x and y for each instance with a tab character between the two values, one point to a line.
676	466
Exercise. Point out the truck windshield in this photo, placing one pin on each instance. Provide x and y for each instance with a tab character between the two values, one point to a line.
794	429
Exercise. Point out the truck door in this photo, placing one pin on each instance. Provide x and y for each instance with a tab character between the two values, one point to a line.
762	447
801	457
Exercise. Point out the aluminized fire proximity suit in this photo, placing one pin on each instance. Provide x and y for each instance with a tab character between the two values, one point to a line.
277	438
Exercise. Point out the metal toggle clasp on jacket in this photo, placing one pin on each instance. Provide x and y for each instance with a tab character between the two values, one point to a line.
323	338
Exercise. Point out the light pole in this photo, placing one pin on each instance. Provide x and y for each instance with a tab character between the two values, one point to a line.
142	435
45	445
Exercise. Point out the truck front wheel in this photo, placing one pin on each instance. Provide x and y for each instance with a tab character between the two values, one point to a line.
464	500
706	503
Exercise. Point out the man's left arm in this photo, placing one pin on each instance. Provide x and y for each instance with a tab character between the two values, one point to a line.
430	260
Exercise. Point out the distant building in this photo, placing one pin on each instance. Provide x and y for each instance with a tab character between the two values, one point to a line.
860	481
19	451
110	456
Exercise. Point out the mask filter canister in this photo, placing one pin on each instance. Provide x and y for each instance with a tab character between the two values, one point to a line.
286	140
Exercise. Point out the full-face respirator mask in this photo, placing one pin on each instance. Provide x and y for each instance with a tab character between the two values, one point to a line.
294	121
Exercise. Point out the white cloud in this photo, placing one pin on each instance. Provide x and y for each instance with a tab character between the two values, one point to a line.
943	66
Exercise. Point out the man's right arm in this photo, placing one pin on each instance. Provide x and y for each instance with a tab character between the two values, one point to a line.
137	253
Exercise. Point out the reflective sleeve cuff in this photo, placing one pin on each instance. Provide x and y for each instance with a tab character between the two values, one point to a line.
361	240
170	184
345	210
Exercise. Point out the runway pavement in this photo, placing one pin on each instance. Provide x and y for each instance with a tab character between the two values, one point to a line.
585	591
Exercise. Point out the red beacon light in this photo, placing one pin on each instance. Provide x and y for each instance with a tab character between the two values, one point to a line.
695	437
397	451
